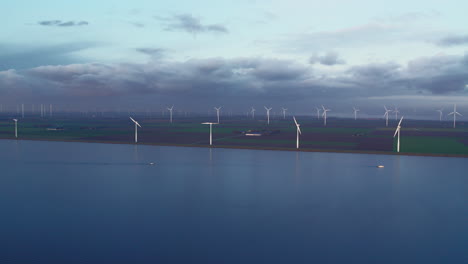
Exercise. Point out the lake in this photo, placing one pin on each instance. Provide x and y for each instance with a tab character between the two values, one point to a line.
64	202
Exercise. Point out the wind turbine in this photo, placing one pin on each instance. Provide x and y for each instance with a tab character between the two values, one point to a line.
318	112
211	127
454	113
397	132
217	112
355	113
386	115
440	113
396	113
136	129
268	113
284	112
170	112
253	112
325	115
16	127
298	132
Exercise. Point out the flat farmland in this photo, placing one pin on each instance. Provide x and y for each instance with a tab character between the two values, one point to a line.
364	135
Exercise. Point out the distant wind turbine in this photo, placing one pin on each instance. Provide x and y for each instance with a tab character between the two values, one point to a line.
268	113
397	132
211	134
325	115
440	113
284	112
355	112
298	132
454	113
253	112
396	113
170	112
16	127
386	115
217	112
318	112
136	129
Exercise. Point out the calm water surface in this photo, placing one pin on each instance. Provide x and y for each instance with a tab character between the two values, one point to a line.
99	203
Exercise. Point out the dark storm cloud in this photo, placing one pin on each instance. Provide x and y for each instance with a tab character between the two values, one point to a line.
190	24
60	23
453	41
239	81
23	57
329	59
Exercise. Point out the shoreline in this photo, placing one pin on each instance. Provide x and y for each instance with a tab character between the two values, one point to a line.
252	148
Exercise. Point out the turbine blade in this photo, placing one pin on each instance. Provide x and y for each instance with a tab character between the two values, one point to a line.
133	120
396	131
458	113
399	123
295	120
299	130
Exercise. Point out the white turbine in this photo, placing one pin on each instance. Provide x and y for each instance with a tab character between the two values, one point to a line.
16	127
355	112
324	115
386	115
217	112
440	113
136	129
170	112
454	113
268	113
396	113
397	132
284	112
253	112
211	134
298	132
318	112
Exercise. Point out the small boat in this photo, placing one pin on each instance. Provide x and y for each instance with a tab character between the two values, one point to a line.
380	166
151	163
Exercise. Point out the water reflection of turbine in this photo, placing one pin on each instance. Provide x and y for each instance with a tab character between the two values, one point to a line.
135	153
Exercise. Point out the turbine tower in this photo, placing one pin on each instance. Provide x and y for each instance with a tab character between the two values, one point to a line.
386	115
284	112
355	112
211	134
440	113
298	132
396	113
136	129
16	127
397	132
325	115
318	112
217	112
268	113
253	112
454	113
170	112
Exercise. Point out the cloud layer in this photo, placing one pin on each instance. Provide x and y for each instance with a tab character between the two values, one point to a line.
190	24
60	23
240	81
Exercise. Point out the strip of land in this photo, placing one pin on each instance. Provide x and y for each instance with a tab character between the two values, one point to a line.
421	138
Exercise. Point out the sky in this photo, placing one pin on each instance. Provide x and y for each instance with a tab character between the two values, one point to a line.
237	54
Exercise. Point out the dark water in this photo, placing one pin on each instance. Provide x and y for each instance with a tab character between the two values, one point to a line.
98	203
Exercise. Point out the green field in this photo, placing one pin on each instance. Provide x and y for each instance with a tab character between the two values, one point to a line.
417	137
